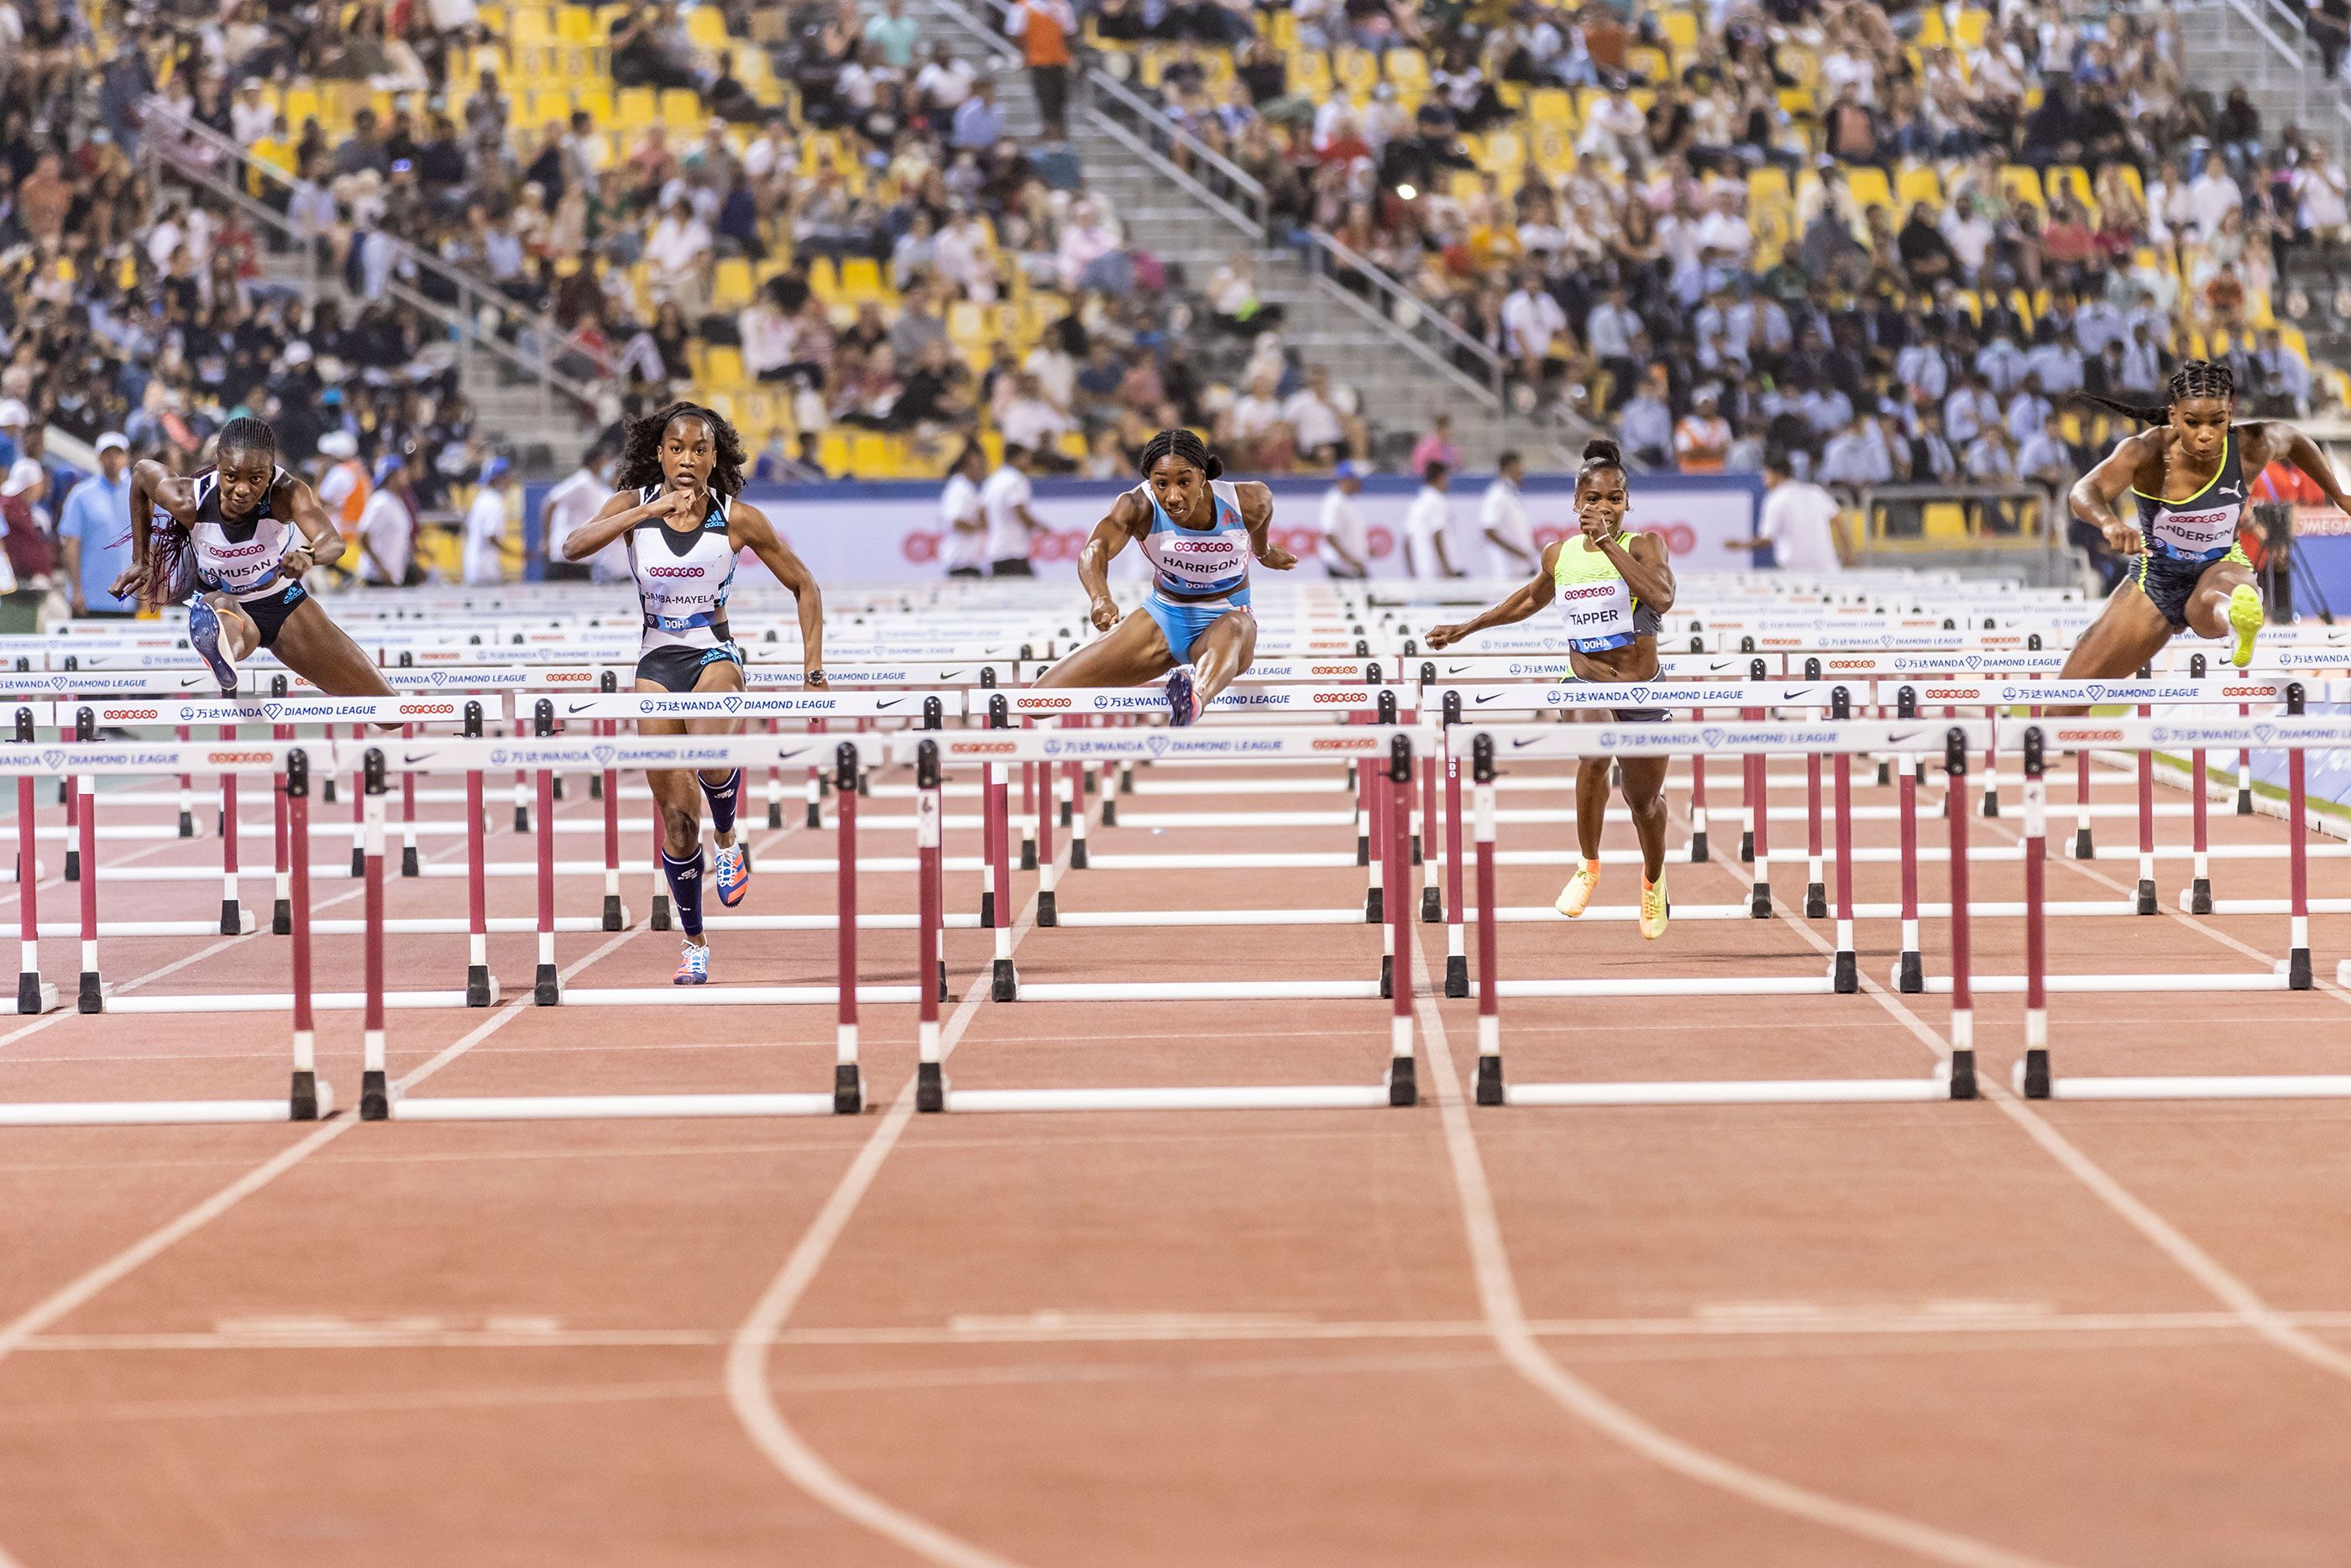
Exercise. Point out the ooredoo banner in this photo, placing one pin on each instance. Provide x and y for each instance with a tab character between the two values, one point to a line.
884	533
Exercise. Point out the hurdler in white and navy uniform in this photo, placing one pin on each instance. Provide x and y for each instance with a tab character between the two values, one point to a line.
1612	588
2188	478
1199	533
233	543
679	508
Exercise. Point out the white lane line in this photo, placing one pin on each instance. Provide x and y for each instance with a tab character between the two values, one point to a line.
749	1387
1506	1320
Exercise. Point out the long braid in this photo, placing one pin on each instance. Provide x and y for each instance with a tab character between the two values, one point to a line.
2194	379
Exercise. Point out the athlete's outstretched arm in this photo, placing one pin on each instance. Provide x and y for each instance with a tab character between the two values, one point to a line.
2275	441
1256	515
1109	537
152	485
1642	558
749	528
321	542
1530	597
2093	495
620	513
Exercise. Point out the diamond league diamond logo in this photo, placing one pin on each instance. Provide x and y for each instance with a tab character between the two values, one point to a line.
53	758
1157	745
271	709
604	755
1639	694
1975	661
1711	735
733	704
440	677
2097	690
2265	733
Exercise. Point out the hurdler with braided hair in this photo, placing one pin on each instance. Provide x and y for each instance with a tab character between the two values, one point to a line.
1613	588
233	543
679	507
1199	532
2187	478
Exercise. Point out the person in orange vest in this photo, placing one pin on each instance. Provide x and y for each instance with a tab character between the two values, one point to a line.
1044	27
344	487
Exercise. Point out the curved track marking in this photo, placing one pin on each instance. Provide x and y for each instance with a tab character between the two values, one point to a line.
753	1397
1506	1320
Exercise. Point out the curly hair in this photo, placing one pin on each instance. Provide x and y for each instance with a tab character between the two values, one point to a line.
2194	379
641	453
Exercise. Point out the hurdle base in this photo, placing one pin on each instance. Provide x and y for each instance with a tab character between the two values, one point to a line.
481	986
1027	855
1759	902
1048	908
2033	1075
409	863
1109	811
1457	975
775	816
943	995
1909	976
2244	803
1963	1074
359	861
930	1087
281	918
1746	847
1697	846
1387	976
187	824
73	865
547	986
660	920
1735	1091
815	817
1363	850
2198	899
1004	983
1078	853
1066	813
2082	848
302	1100
522	819
375	1096
1489	1081
1432	906
2147	904
33	994
848	1090
595	787
92	993
235	921
2297	970
1884	774
1403	1082
1816	902
988	910
616	913
1374	909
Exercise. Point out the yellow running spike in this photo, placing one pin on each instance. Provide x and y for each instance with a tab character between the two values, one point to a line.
2246	618
1656	908
1577	895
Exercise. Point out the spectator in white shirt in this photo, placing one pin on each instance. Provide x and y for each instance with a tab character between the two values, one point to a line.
2212	197
484	559
1031	422
963	523
1004	508
2046	458
678	250
2027	411
572	505
1502	520
1314	421
2319	201
944	81
1427	526
1798	522
1971	410
250	119
387	530
1345	552
1532	326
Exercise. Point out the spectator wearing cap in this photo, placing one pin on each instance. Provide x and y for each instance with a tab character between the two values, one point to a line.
31	557
93	533
1702	438
13	416
484	559
343	488
1345	549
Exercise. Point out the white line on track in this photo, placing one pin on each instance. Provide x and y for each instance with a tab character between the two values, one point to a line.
1506	1320
749	1387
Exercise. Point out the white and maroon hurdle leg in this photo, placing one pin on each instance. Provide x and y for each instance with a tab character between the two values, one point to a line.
848	1088
2033	1070
1490	1005
1049	874
375	1091
2199	891
1845	971
616	913
1426	851
1910	975
481	986
187	795
1030	857
1698	796
2084	847
232	911
1075	797
2146	823
409	863
2297	829
1963	1018
815	816
281	916
92	995
33	994
1759	902
1817	892
547	984
304	1097
995	855
930	1067
358	810
1403	1086
774	788
522	783
2244	768
1457	961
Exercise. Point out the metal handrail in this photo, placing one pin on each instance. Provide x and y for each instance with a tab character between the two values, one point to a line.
222	178
1243	203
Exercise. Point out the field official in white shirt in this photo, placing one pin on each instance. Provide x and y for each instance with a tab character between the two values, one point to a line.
1345	551
1428	525
1798	522
963	545
1502	521
570	505
1004	503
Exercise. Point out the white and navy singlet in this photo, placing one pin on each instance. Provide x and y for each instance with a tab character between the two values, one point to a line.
683	580
238	558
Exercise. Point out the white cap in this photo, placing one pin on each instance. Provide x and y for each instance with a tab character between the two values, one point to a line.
22	477
113	440
338	443
297	353
13	413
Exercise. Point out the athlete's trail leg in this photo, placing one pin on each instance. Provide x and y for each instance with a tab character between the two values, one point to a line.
723	787
2119	644
1222	653
1644	793
677	796
1590	805
1132	653
312	645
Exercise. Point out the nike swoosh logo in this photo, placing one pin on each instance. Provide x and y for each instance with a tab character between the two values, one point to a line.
410	759
893	702
579	706
1488	698
1528	740
1907	735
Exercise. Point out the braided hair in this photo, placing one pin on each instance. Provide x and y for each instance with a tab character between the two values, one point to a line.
2194	379
171	543
641	451
246	433
1184	447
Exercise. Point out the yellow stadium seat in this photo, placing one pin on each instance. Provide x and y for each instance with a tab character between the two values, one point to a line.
681	111
1648	63
833	452
1869	187
869	455
2292	340
1220	71
597	100
730	285
301	104
635	108
1945	520
1285	30
576	25
822	280
1681	28
1150	65
1407	69
1464	185
551	105
723	366
1357	72
706	27
1550	105
1972	302
1916	182
860	280
527	27
1506	155
2021	185
1932	34
1972	27
1554	149
1769	183
1796	100
1309	74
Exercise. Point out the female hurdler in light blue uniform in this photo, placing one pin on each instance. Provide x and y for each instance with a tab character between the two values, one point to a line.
1198	533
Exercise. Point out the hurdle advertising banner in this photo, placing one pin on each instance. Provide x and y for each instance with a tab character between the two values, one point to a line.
890	533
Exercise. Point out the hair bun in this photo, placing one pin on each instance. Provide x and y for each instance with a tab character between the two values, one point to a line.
1601	450
1216	466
